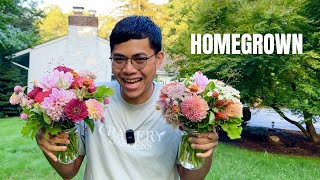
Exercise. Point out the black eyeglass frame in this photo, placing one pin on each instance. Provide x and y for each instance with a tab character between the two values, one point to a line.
144	59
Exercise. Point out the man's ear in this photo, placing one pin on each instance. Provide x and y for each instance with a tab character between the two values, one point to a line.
159	57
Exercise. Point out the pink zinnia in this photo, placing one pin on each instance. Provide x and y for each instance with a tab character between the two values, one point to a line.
76	110
32	94
56	101
41	95
95	109
194	108
63	69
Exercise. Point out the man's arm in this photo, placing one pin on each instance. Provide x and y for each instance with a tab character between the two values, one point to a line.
66	171
207	142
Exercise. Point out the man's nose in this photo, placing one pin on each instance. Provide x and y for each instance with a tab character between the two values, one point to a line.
129	68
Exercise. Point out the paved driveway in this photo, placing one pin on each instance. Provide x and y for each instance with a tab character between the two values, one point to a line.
265	116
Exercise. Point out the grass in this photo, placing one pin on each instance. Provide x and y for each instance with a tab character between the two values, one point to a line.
22	159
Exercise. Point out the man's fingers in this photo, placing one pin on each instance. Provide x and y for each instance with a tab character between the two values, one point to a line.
55	148
199	140
62	135
205	154
211	135
207	146
50	154
55	140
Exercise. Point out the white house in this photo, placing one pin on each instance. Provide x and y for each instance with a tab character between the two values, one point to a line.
81	49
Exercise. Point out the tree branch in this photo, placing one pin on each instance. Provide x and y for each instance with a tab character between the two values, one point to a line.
278	110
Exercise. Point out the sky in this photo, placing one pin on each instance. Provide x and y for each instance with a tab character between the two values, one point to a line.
101	6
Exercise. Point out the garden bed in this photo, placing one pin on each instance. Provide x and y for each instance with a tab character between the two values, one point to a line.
283	142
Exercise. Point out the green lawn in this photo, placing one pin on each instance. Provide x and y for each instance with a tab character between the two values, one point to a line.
22	159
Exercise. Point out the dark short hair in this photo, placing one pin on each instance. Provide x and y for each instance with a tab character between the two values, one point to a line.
136	27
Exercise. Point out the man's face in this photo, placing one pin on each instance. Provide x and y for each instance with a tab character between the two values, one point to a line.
136	85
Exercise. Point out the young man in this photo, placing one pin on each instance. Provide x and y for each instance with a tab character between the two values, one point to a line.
111	151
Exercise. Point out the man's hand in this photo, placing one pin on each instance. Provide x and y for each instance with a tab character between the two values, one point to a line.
206	142
48	146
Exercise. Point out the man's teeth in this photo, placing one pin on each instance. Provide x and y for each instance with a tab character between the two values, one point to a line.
132	80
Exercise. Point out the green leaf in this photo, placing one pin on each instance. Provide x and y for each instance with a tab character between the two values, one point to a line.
90	123
215	109
209	87
35	110
211	118
233	129
102	92
53	130
46	118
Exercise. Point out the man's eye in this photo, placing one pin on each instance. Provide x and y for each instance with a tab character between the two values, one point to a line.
140	59
119	59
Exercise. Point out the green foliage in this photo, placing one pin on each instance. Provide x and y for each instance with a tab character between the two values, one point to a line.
16	26
90	123
102	92
232	127
16	33
290	81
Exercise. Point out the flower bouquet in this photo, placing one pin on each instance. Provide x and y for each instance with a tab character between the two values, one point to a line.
199	105
60	100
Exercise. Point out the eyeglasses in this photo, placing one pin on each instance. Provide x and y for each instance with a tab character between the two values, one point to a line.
137	61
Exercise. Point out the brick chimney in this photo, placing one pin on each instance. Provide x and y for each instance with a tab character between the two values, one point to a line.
82	44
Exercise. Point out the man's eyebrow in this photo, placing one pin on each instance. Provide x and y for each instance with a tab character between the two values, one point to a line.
118	54
137	54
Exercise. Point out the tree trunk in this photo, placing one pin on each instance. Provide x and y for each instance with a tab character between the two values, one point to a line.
304	131
310	127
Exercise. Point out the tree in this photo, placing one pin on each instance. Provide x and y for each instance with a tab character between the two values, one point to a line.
290	81
106	24
54	24
16	33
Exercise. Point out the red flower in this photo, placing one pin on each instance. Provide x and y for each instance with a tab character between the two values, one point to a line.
215	94
41	95
92	88
83	81
32	94
220	115
219	103
63	68
76	110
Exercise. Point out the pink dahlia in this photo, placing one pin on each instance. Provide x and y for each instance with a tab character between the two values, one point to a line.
76	110
56	79
95	109
16	98
63	69
54	104
174	90
194	108
201	80
88	74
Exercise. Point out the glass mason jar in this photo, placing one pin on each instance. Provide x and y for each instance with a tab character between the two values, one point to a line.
72	152
187	155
